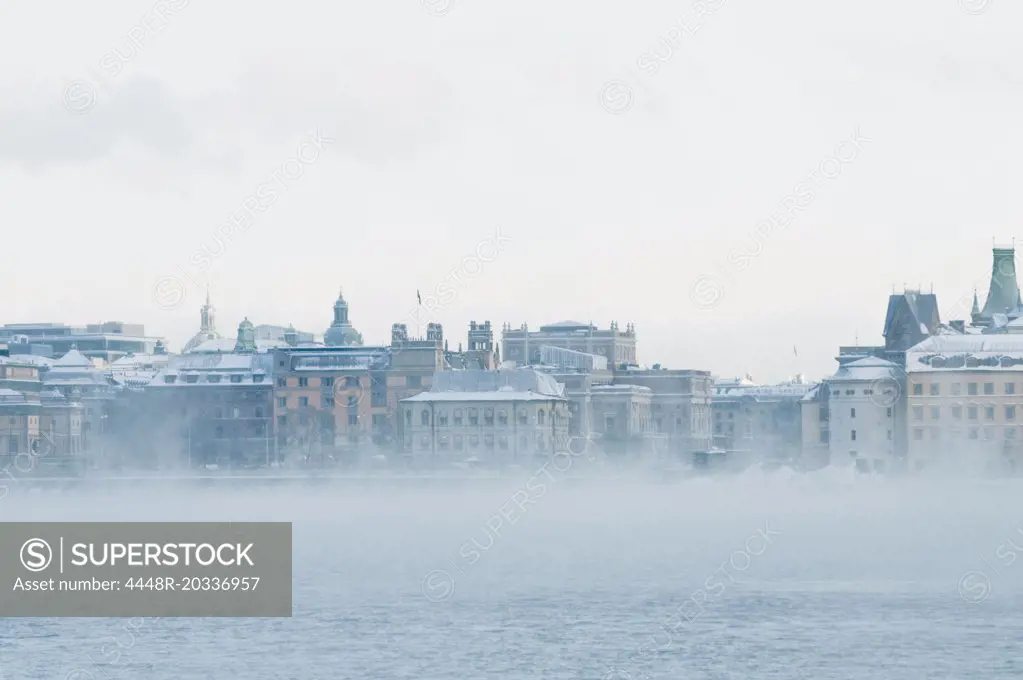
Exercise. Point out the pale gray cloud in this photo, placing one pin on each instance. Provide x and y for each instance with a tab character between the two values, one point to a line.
449	124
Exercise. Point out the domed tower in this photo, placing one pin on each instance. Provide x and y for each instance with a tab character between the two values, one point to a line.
207	326
341	332
246	342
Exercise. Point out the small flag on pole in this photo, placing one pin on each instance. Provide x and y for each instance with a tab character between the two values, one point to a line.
419	297
794	352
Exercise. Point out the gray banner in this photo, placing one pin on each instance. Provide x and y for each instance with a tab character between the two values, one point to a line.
145	569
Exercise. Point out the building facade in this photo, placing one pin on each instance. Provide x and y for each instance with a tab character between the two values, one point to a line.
620	420
680	406
524	346
864	415
491	418
108	341
965	401
815	431
762	421
209	410
35	421
340	401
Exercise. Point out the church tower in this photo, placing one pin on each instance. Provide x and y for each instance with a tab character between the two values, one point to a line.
207	316
341	332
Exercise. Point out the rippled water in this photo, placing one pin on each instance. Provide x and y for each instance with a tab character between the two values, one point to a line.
778	576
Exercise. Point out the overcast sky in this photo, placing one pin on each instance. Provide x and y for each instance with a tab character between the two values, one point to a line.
625	152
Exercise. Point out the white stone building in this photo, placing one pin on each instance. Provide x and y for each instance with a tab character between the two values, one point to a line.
493	418
863	400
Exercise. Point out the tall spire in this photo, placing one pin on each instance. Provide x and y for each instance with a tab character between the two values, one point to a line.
207	316
975	312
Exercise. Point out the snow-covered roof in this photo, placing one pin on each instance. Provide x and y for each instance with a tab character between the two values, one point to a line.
214	369
566	324
227	345
867	369
74	359
813	394
994	342
199	338
761	391
988	352
33	359
9	397
139	361
518	379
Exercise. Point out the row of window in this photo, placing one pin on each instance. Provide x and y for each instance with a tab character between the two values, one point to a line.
349	381
987	433
214	378
457	417
867	392
459	443
934	389
325	402
972	412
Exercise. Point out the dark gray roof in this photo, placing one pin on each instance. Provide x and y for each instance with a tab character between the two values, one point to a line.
911	317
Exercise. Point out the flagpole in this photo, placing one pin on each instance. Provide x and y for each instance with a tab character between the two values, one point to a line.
419	309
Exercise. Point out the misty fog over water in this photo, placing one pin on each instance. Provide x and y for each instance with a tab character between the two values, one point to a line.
758	575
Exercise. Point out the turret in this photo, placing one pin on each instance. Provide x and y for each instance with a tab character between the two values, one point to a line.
1003	294
246	342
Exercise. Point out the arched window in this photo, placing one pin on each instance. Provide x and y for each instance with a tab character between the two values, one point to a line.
540	416
408	416
424	417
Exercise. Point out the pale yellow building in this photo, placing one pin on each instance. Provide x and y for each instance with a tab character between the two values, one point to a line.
965	401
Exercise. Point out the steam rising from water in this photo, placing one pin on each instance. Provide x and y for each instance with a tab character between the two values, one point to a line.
757	575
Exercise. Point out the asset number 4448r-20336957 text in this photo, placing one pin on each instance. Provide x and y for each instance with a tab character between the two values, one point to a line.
186	583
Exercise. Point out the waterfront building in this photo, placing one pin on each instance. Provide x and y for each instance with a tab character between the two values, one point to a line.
763	422
81	380
525	347
107	341
620	421
815	430
680	406
340	400
493	418
965	401
580	373
35	420
209	409
864	414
